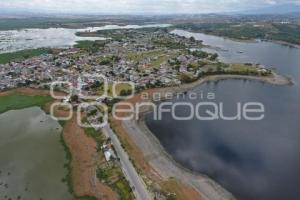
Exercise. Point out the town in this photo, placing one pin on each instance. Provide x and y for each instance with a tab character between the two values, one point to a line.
147	57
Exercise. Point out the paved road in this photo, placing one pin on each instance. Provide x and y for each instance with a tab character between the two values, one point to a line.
140	189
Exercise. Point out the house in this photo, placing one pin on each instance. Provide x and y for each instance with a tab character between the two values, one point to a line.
107	155
108	152
183	68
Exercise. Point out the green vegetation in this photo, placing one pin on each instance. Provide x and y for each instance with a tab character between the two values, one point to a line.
96	135
67	165
111	175
103	174
68	178
287	32
122	89
86	198
119	34
199	54
40	22
184	78
247	31
156	57
144	55
235	69
17	101
169	43
220	68
92	46
114	178
108	60
123	189
21	55
171	197
113	34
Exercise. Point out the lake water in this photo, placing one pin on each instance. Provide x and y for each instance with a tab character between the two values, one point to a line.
31	156
14	40
254	160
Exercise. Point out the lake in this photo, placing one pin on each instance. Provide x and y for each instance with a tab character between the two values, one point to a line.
32	157
255	160
14	40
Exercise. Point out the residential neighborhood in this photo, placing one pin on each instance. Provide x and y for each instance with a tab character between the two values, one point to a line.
140	57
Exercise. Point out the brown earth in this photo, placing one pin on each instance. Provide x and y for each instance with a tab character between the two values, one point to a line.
84	163
27	91
173	186
83	148
150	175
182	191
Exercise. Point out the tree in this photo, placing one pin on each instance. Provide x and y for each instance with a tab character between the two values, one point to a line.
125	92
214	56
185	78
74	98
200	54
192	39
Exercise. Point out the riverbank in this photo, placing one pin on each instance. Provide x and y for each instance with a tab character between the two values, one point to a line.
246	33
274	79
155	164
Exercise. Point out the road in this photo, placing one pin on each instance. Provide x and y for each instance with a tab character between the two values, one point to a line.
140	188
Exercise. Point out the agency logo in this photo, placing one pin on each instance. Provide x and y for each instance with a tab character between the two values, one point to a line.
86	96
89	94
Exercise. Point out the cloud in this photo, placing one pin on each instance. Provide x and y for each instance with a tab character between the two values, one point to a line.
139	6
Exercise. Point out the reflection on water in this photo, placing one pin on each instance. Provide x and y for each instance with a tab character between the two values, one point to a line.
31	156
253	160
14	40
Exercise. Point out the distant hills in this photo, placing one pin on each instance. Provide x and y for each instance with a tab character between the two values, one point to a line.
276	9
283	8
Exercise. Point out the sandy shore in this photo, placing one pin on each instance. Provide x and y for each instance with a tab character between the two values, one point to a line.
274	79
161	163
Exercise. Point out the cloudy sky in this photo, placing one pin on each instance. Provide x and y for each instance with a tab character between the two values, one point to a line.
139	6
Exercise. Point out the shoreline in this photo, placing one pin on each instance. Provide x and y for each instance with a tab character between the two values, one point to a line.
253	40
207	187
79	149
273	79
161	161
152	151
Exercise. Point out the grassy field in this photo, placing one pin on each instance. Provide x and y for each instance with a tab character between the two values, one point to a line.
156	57
118	89
242	68
17	101
237	69
21	55
90	45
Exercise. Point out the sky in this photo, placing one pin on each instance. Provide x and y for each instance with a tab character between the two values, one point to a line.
139	6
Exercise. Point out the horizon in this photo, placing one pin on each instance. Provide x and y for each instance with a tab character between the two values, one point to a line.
141	7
